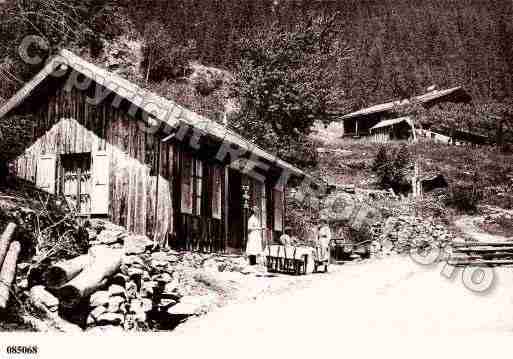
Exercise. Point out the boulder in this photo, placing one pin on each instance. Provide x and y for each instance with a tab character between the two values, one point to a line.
148	289
133	260
96	312
111	318
171	288
131	289
120	279
114	304
159	256
99	298
164	277
167	302
111	236
137	244
39	296
104	329
192	305
117	290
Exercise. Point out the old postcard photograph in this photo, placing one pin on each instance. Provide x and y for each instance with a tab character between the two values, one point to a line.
254	177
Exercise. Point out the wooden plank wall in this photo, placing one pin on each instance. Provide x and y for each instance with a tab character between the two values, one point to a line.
68	124
143	199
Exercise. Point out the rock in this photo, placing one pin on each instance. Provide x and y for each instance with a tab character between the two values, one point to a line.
158	263
164	277
132	272
146	305
137	244
159	256
96	312
117	290
124	269
111	236
22	267
148	289
39	296
141	305
167	302
131	289
133	260
90	321
171	287
104	329
119	279
23	284
111	318
115	304
191	305
99	298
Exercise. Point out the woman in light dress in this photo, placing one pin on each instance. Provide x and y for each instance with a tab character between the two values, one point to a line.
325	237
254	245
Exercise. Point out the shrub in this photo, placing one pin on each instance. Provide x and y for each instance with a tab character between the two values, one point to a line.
392	168
464	197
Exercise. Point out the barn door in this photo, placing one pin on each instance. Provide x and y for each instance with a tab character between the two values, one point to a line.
46	170
100	185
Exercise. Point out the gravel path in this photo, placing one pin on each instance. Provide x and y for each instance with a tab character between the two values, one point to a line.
374	298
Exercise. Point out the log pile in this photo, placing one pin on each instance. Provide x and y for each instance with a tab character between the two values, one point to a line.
122	284
9	252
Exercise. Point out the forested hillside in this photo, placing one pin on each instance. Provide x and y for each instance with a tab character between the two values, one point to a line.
400	47
368	52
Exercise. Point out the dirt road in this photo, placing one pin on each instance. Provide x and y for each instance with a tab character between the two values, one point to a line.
379	297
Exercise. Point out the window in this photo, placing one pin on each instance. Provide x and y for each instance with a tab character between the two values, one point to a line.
217	178
198	185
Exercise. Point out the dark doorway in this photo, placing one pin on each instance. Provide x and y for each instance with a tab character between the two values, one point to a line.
235	218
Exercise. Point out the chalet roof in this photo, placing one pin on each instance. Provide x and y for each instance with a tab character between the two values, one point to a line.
161	108
393	121
423	99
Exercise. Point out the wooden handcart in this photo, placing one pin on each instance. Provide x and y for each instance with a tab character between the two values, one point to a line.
286	259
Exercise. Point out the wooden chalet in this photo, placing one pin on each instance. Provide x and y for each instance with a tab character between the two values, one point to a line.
384	116
113	150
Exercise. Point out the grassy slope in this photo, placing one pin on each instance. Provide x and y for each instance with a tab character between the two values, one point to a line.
349	161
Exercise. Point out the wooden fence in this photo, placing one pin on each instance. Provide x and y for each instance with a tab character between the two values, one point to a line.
481	254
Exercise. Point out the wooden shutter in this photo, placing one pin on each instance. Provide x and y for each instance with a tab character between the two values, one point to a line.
100	185
217	172
46	171
187	179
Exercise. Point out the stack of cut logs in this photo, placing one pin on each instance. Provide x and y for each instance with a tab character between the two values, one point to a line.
481	253
120	284
9	252
110	289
